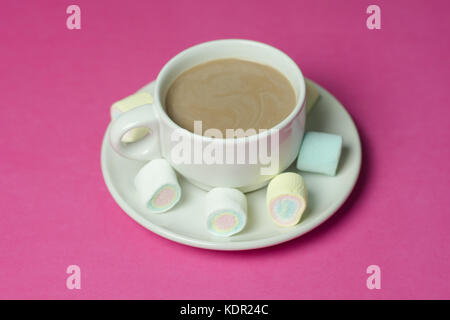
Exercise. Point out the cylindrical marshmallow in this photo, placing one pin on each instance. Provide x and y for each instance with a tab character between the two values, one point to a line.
312	95
226	211
157	186
320	153
126	104
286	199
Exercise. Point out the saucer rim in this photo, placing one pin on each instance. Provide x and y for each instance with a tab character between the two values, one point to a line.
231	246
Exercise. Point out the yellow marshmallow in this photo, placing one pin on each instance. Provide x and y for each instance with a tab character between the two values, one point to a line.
312	95
126	104
286	199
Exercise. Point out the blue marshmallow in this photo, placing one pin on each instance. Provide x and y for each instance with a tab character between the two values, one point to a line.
320	153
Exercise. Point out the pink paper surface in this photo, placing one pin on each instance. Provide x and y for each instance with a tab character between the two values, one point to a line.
56	88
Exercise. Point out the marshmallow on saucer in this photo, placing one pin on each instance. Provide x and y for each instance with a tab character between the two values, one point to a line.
320	153
286	199
226	211
157	186
312	95
126	104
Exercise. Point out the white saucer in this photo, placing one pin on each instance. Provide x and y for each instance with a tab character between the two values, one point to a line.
185	223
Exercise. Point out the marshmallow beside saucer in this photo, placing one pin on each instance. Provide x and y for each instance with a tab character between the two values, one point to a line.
157	186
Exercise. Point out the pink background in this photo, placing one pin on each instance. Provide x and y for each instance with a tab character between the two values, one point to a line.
56	89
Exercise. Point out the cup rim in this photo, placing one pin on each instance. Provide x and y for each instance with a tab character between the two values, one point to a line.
297	109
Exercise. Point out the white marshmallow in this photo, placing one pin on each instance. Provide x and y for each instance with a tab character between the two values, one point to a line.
226	211
157	186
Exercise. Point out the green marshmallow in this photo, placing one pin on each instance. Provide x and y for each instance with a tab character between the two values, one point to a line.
320	153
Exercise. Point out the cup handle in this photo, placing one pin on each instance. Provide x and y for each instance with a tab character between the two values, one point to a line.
146	148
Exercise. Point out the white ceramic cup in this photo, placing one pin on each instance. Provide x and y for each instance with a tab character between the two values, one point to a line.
160	142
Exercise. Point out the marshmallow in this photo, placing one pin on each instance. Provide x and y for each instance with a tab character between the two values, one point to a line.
226	211
320	153
124	105
157	186
312	95
286	199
